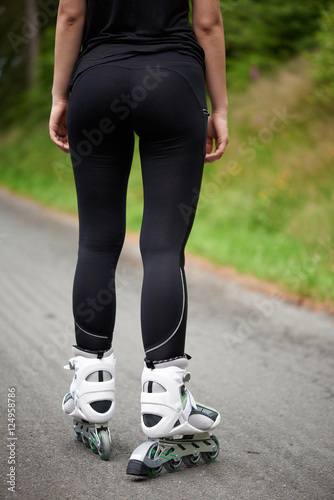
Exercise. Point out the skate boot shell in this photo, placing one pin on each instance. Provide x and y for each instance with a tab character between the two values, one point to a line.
178	428
91	400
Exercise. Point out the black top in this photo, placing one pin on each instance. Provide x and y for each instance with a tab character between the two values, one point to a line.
118	29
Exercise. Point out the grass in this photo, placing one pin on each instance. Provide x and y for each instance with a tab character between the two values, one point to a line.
273	218
266	208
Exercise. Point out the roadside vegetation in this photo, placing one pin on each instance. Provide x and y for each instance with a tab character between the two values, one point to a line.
267	207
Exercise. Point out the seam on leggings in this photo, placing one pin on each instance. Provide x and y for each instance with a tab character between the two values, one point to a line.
92	334
176	329
188	82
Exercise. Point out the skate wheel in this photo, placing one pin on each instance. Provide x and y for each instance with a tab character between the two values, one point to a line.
78	435
104	448
93	446
211	455
85	440
173	465
154	454
191	460
154	472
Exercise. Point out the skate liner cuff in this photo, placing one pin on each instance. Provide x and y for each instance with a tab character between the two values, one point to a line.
79	351
180	361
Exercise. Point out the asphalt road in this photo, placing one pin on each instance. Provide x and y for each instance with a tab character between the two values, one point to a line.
267	365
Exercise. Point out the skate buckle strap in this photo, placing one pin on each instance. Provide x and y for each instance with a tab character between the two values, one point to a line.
152	364
190	404
149	363
71	365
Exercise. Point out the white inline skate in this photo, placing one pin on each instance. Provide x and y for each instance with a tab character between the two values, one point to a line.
91	400
178	428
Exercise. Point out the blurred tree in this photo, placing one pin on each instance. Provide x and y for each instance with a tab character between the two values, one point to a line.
32	41
21	24
264	32
12	78
323	58
259	34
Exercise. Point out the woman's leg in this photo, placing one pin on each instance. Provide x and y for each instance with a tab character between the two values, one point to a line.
171	123
101	149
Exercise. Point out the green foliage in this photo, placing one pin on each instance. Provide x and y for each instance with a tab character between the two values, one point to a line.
259	33
12	57
323	59
16	34
37	100
262	33
270	216
266	208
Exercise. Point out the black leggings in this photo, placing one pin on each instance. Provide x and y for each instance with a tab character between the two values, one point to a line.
161	98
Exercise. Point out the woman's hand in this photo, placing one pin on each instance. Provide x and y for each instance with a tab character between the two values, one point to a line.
209	31
57	124
218	133
69	32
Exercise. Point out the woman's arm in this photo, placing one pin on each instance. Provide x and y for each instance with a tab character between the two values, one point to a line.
69	31
209	31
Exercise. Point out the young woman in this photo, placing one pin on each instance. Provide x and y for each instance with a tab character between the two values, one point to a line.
123	68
